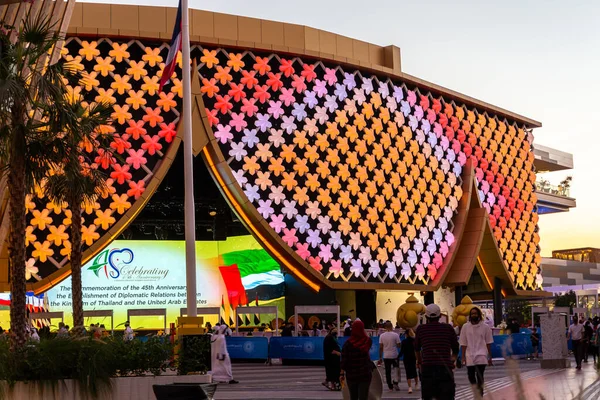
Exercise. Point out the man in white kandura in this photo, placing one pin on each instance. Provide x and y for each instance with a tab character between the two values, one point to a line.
476	342
221	363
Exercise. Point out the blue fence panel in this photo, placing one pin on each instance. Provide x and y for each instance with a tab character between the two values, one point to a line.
521	345
296	348
247	347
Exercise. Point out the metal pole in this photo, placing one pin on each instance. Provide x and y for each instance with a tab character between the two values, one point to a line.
188	162
497	301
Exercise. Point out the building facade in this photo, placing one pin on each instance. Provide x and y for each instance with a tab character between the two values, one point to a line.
348	172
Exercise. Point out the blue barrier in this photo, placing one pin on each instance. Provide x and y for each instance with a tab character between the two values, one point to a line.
521	345
309	348
296	348
247	347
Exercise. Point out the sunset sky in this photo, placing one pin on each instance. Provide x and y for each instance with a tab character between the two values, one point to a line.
540	59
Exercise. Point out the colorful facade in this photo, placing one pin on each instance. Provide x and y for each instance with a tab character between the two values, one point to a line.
351	174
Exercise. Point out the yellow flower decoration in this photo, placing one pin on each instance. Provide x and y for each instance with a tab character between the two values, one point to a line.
104	219
152	56
89	50
209	58
235	61
104	65
88	80
136	99
151	85
89	234
41	219
137	70
119	52
42	251
105	96
68	218
166	101
121	114
66	250
120	203
121	84
58	235
29	236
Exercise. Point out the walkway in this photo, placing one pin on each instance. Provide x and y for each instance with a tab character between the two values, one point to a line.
260	382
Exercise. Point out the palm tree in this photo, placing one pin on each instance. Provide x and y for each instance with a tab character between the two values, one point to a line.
34	111
77	181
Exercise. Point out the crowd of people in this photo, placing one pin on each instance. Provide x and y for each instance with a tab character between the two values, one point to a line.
429	356
584	339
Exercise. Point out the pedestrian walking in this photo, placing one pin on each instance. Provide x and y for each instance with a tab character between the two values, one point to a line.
588	333
476	346
331	355
221	363
575	333
535	340
389	342
436	349
595	341
409	359
357	367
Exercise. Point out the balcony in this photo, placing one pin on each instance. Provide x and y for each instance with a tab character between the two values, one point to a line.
557	190
554	198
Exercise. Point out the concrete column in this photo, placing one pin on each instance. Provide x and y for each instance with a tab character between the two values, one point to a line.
497	301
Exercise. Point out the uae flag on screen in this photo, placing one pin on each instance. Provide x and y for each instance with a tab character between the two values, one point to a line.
251	274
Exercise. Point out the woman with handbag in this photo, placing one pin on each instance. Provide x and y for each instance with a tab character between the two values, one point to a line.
357	367
221	363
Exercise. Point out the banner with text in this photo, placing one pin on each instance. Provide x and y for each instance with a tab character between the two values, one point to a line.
151	274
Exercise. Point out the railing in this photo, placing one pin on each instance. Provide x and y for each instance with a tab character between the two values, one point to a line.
547	187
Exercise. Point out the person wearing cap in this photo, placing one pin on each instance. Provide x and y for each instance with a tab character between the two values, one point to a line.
436	348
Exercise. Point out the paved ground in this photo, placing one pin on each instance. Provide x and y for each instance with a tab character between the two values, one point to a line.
258	381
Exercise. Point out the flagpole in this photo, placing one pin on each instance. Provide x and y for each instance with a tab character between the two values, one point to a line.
190	217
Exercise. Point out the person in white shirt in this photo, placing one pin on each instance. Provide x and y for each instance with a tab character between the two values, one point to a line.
476	345
576	334
128	334
389	342
34	335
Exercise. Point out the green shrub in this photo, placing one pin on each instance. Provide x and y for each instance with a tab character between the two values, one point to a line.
194	355
90	362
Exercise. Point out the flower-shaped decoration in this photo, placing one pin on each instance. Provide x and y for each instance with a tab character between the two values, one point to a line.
124	74
361	176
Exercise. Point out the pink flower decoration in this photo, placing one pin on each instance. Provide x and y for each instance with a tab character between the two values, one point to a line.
315	263
223	133
136	158
336	268
299	84
287	96
237	122
120	173
289	236
330	76
249	108
449	238
302	250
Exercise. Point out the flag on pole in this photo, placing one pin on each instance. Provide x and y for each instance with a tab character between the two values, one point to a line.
222	310
256	316
176	44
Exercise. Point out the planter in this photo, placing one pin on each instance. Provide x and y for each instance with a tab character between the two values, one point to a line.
126	388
